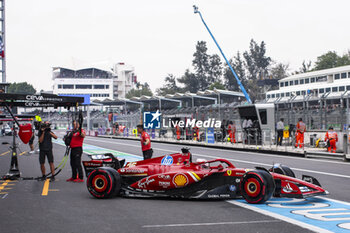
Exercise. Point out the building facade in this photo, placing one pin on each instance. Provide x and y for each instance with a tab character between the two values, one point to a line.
100	80
334	81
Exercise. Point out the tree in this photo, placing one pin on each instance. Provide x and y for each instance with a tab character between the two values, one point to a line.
21	88
214	69
238	66
331	60
169	87
306	67
217	85
190	82
141	89
256	63
279	71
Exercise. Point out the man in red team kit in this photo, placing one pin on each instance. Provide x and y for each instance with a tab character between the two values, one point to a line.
145	143
76	146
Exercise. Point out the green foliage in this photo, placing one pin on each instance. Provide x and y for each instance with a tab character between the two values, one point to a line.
169	87
217	85
330	60
238	65
207	70
141	89
279	71
21	88
190	82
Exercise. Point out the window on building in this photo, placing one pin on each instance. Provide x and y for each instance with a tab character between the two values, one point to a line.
303	92
296	82
307	80
107	86
277	95
281	84
348	88
59	86
286	84
337	76
301	81
321	90
342	88
99	86
348	74
343	75
67	86
313	80
273	96
83	86
298	93
268	96
282	94
287	94
328	89
321	79
334	89
291	83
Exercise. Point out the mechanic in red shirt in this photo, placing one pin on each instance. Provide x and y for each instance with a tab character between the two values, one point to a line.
145	143
76	146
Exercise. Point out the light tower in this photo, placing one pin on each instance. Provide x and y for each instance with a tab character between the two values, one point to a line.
2	41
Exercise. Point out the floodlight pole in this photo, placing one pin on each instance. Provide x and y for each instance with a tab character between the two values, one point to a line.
222	53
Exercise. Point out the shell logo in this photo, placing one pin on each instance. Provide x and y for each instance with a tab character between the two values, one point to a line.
180	180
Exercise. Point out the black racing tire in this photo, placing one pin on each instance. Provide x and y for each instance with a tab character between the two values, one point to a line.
101	183
283	170
117	180
257	186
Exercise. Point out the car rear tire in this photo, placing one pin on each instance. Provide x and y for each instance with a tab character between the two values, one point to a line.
103	182
257	186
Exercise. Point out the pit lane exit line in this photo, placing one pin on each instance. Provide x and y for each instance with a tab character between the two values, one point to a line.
209	224
237	160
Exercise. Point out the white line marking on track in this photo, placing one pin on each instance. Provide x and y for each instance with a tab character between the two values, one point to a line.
237	160
274	215
4	196
209	224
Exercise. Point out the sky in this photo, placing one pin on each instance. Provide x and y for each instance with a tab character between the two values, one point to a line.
158	37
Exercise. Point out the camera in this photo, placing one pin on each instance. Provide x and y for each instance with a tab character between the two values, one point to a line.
38	125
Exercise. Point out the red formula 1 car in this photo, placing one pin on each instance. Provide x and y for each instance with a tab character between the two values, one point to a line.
175	175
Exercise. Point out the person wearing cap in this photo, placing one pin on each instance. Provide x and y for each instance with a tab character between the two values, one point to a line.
331	138
301	128
145	143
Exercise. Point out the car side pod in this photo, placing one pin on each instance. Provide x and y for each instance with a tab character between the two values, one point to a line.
104	182
257	186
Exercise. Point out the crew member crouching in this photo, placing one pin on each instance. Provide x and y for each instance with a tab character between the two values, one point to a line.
331	138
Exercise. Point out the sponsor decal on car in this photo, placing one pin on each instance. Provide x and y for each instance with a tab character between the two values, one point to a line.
164	177
167	160
180	180
164	184
143	183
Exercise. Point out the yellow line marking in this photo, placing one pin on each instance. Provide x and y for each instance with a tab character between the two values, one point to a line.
46	187
3	188
5	153
23	153
4	193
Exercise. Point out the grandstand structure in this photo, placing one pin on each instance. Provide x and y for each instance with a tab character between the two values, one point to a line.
99	80
321	98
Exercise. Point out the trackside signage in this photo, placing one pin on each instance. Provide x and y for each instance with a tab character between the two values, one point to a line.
153	120
317	213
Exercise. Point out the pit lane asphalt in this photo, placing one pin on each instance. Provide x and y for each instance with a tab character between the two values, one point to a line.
68	207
